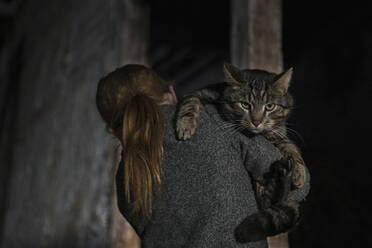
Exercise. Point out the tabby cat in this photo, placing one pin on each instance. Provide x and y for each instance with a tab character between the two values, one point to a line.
259	101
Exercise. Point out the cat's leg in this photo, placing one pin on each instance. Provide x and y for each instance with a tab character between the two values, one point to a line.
189	109
188	117
291	152
263	194
281	180
276	219
276	185
276	215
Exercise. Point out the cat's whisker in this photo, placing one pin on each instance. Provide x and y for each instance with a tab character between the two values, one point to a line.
237	130
226	127
296	134
279	133
231	128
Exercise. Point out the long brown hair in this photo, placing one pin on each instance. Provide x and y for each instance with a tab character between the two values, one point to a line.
128	100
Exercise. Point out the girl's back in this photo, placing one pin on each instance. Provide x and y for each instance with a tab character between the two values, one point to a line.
206	190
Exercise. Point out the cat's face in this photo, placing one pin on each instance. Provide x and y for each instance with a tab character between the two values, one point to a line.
257	99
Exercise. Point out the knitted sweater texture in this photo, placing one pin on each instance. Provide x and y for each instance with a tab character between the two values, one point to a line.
206	186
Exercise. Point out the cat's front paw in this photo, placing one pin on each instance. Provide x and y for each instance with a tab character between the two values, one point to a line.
186	126
298	174
298	170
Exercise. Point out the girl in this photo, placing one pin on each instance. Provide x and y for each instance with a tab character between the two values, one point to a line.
180	193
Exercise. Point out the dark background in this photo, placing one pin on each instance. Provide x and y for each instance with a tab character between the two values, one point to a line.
329	44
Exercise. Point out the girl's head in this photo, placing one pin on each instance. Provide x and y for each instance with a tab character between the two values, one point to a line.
128	100
117	90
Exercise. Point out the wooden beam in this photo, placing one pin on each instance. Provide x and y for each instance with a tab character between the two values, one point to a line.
256	43
256	34
134	30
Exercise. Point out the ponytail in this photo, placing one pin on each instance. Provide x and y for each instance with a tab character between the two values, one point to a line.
142	139
128	100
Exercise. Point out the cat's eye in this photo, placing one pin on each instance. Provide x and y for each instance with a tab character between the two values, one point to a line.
270	106
245	105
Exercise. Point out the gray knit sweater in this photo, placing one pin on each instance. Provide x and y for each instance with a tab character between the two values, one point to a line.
206	190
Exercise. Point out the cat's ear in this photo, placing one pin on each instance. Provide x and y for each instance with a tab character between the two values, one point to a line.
282	82
232	74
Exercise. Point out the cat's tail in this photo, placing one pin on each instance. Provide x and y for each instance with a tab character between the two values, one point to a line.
276	219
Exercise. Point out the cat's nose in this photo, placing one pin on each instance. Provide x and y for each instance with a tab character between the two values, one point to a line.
256	123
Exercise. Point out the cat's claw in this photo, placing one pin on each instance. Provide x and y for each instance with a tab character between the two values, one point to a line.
185	128
297	169
298	175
